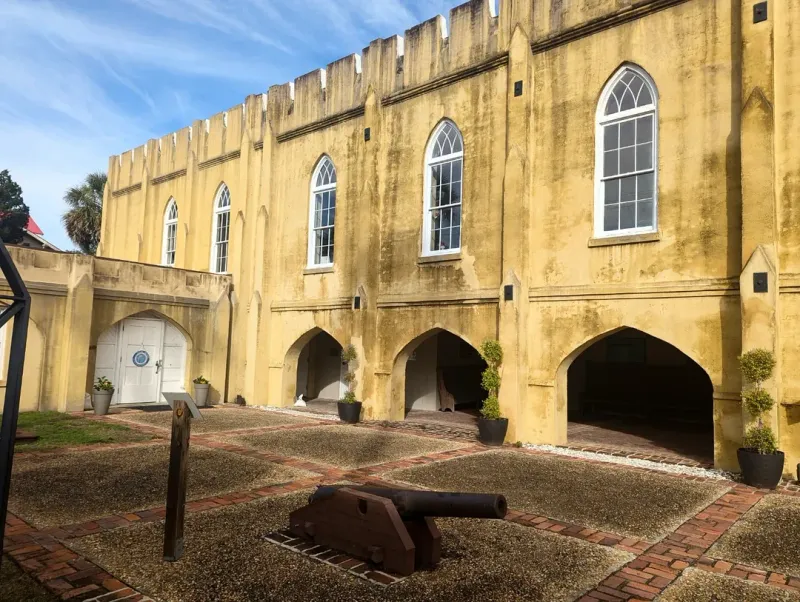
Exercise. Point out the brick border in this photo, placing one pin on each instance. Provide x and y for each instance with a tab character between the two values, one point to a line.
59	569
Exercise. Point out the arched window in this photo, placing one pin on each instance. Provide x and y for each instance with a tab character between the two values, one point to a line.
170	234
627	155
322	214
221	230
444	161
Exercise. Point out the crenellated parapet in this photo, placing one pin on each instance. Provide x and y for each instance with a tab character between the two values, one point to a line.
425	53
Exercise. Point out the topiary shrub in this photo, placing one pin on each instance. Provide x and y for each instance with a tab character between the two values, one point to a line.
761	438
492	354
757	366
349	354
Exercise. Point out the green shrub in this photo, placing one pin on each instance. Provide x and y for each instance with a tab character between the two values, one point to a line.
200	380
492	353
491	408
761	439
757	365
103	384
490	380
349	354
757	401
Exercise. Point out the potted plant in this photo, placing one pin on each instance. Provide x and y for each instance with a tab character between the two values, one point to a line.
200	391
101	396
759	458
492	426
349	407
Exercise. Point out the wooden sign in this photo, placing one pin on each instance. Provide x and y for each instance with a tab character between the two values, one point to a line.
183	410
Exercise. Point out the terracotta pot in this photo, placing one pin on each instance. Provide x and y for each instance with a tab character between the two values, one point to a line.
201	395
101	400
760	470
349	412
492	432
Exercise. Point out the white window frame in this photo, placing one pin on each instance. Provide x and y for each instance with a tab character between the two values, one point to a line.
169	222
601	121
219	211
315	190
431	162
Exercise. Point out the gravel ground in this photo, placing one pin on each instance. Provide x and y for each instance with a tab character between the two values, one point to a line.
16	586
227	560
344	446
604	497
217	419
768	537
696	585
76	487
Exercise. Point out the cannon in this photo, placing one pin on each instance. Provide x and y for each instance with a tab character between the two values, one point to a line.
392	528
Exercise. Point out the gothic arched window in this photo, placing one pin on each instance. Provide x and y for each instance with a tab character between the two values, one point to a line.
322	214
444	163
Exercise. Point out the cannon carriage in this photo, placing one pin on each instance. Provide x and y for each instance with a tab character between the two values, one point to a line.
392	528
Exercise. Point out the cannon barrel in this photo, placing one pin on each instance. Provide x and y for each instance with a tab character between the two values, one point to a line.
416	504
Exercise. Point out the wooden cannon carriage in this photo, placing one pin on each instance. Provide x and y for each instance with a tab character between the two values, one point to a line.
393	528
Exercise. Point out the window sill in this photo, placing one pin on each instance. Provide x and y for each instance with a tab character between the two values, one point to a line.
444	257
630	239
326	269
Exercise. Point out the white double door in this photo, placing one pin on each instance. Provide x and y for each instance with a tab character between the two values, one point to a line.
142	357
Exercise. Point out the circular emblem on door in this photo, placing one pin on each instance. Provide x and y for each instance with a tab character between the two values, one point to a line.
141	358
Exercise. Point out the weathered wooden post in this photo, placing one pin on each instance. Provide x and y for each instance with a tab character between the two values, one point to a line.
183	410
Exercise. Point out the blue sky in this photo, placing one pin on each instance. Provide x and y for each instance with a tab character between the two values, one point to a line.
86	79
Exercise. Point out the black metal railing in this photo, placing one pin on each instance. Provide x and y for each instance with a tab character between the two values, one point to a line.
19	308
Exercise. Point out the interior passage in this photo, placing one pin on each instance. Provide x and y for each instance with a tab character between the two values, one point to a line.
319	370
444	373
633	391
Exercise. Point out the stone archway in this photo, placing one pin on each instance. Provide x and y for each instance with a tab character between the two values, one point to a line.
437	370
312	368
629	390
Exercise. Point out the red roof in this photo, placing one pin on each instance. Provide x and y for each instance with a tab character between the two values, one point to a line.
33	227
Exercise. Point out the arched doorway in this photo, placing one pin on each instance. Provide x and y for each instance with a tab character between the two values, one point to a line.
632	391
442	378
319	372
143	356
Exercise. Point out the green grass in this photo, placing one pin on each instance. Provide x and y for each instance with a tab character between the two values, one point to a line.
60	430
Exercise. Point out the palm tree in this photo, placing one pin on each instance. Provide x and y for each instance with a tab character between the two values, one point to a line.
82	220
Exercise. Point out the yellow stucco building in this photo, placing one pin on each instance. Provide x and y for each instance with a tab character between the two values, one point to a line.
608	187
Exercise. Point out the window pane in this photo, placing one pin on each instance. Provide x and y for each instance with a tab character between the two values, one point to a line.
628	101
456	216
644	129
457	171
436	175
610	167
445	171
627	160
612	106
644	156
627	215
455	193
611	218
627	132
628	189
645	98
611	137
444	194
436	239
612	191
455	238
645	186
644	214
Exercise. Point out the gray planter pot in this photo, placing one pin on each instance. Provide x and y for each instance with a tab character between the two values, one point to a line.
100	402
201	395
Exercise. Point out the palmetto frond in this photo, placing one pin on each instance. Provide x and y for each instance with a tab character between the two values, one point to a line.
82	220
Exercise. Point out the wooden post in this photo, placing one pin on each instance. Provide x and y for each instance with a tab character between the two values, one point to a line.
176	482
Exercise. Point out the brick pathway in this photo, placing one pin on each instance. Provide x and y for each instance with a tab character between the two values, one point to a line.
44	554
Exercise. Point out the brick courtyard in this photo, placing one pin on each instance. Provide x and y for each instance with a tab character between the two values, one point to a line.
576	530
